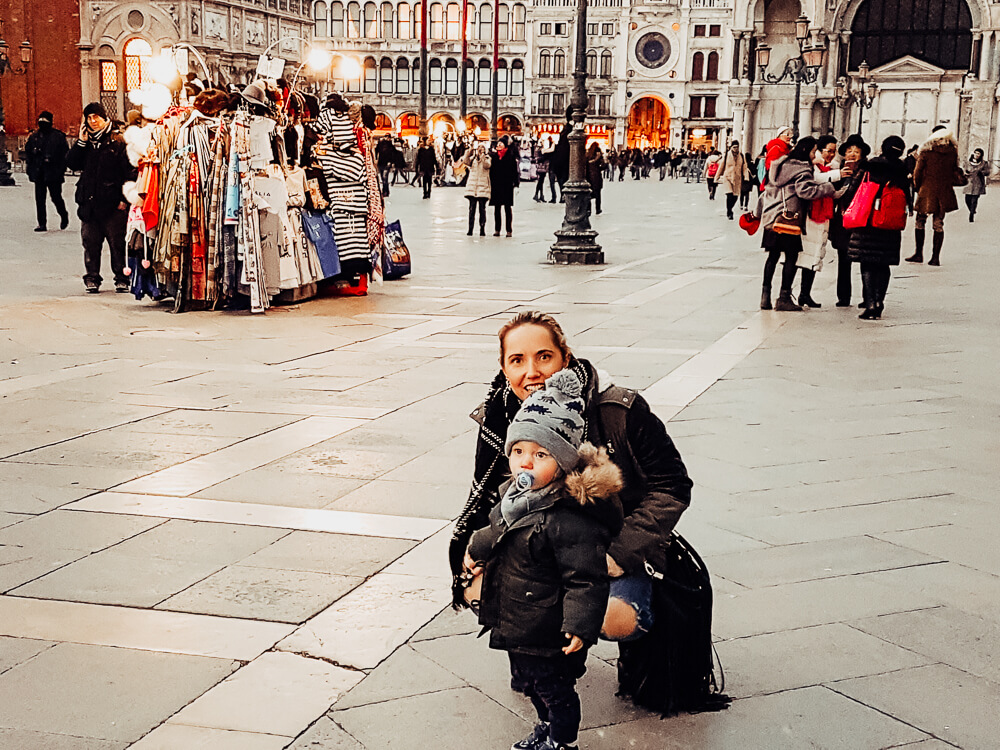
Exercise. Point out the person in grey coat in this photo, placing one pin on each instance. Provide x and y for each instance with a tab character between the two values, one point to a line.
977	169
477	187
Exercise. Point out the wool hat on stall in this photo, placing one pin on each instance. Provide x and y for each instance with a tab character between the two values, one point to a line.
552	417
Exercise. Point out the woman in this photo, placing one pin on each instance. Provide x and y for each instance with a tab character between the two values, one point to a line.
977	169
541	170
711	172
791	187
735	174
854	152
595	173
818	220
477	187
656	485
750	183
878	249
503	180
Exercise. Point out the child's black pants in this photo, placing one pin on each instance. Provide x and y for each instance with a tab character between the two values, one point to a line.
550	683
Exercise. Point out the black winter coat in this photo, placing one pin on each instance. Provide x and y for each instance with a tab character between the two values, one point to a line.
840	238
881	246
104	168
426	162
503	177
546	574
45	156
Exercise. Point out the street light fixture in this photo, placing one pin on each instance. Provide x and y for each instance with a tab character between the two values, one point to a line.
6	179
863	96
804	68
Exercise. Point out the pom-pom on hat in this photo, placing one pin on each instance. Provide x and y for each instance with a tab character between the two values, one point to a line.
552	417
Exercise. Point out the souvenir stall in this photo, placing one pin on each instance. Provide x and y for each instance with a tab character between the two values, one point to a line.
248	198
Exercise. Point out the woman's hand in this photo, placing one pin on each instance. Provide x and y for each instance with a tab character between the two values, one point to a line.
614	569
470	565
575	644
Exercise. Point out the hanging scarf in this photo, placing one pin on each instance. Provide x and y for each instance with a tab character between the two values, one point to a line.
517	503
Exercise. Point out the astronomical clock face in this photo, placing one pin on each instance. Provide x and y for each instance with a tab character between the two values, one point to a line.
653	50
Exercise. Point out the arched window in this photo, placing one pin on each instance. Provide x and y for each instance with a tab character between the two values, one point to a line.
592	64
517	78
434	77
559	64
470	21
353	21
138	54
388	28
712	68
371	21
385	76
402	76
453	21
451	77
437	21
518	28
606	64
544	64
485	21
483	79
698	66
470	77
416	76
939	32
322	26
502	78
337	20
403	18
503	28
417	20
370	76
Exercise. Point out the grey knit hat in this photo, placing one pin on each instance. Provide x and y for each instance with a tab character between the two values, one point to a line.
553	418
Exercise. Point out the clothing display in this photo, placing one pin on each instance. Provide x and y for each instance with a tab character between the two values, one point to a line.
223	218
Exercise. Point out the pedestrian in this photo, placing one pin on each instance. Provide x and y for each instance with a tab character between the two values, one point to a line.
425	165
936	175
877	249
750	184
385	159
977	169
477	187
45	157
595	173
542	170
660	160
543	557
711	172
100	158
503	180
735	174
790	188
821	211
656	491
559	161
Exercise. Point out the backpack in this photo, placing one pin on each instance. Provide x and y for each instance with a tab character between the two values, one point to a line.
713	169
889	211
672	669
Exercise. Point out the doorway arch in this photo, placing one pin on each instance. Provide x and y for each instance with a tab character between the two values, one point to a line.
648	123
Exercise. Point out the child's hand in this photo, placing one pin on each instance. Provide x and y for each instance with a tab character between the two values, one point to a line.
575	644
614	569
470	565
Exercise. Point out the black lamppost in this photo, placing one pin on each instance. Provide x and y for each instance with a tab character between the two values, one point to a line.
576	241
6	180
802	69
863	96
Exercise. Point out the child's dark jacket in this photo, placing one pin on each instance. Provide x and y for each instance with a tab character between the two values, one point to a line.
547	574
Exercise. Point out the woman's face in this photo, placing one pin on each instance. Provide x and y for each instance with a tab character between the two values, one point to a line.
530	357
812	154
853	153
829	151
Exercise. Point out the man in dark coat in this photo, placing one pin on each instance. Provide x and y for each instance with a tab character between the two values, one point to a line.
935	177
559	162
45	154
426	165
99	155
504	178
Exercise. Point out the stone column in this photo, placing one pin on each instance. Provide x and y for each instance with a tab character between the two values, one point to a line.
806	113
738	109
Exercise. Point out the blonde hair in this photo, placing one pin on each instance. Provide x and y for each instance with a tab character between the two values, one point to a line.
536	318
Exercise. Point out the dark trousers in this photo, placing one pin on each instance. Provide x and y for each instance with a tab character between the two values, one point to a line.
94	234
481	203
875	283
426	180
54	190
552	185
843	277
808	277
972	203
550	684
787	271
712	187
540	188
508	213
731	199
385	179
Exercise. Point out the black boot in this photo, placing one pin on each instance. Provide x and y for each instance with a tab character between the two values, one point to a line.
805	294
785	303
918	256
765	299
938	241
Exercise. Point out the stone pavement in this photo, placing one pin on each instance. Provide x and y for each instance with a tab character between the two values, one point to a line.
228	531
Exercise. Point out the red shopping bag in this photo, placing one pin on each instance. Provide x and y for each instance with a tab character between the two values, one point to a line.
860	210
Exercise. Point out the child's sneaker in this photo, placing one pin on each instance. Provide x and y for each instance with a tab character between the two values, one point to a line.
535	740
550	744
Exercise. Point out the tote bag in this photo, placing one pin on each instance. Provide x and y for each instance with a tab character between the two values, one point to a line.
396	259
860	210
890	209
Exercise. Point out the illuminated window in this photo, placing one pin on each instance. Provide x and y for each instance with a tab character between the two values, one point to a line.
454	30
109	76
137	56
403	17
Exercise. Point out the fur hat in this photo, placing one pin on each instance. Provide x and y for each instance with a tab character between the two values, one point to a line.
211	102
552	417
893	147
855	140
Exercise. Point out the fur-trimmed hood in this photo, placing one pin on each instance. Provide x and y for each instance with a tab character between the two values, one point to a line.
940	140
595	484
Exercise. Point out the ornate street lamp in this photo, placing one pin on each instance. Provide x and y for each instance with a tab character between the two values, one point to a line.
801	69
863	96
6	179
576	241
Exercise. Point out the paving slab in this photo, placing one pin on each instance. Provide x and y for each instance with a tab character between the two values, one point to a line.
14	651
19	565
87	532
341	554
17	739
325	735
175	736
